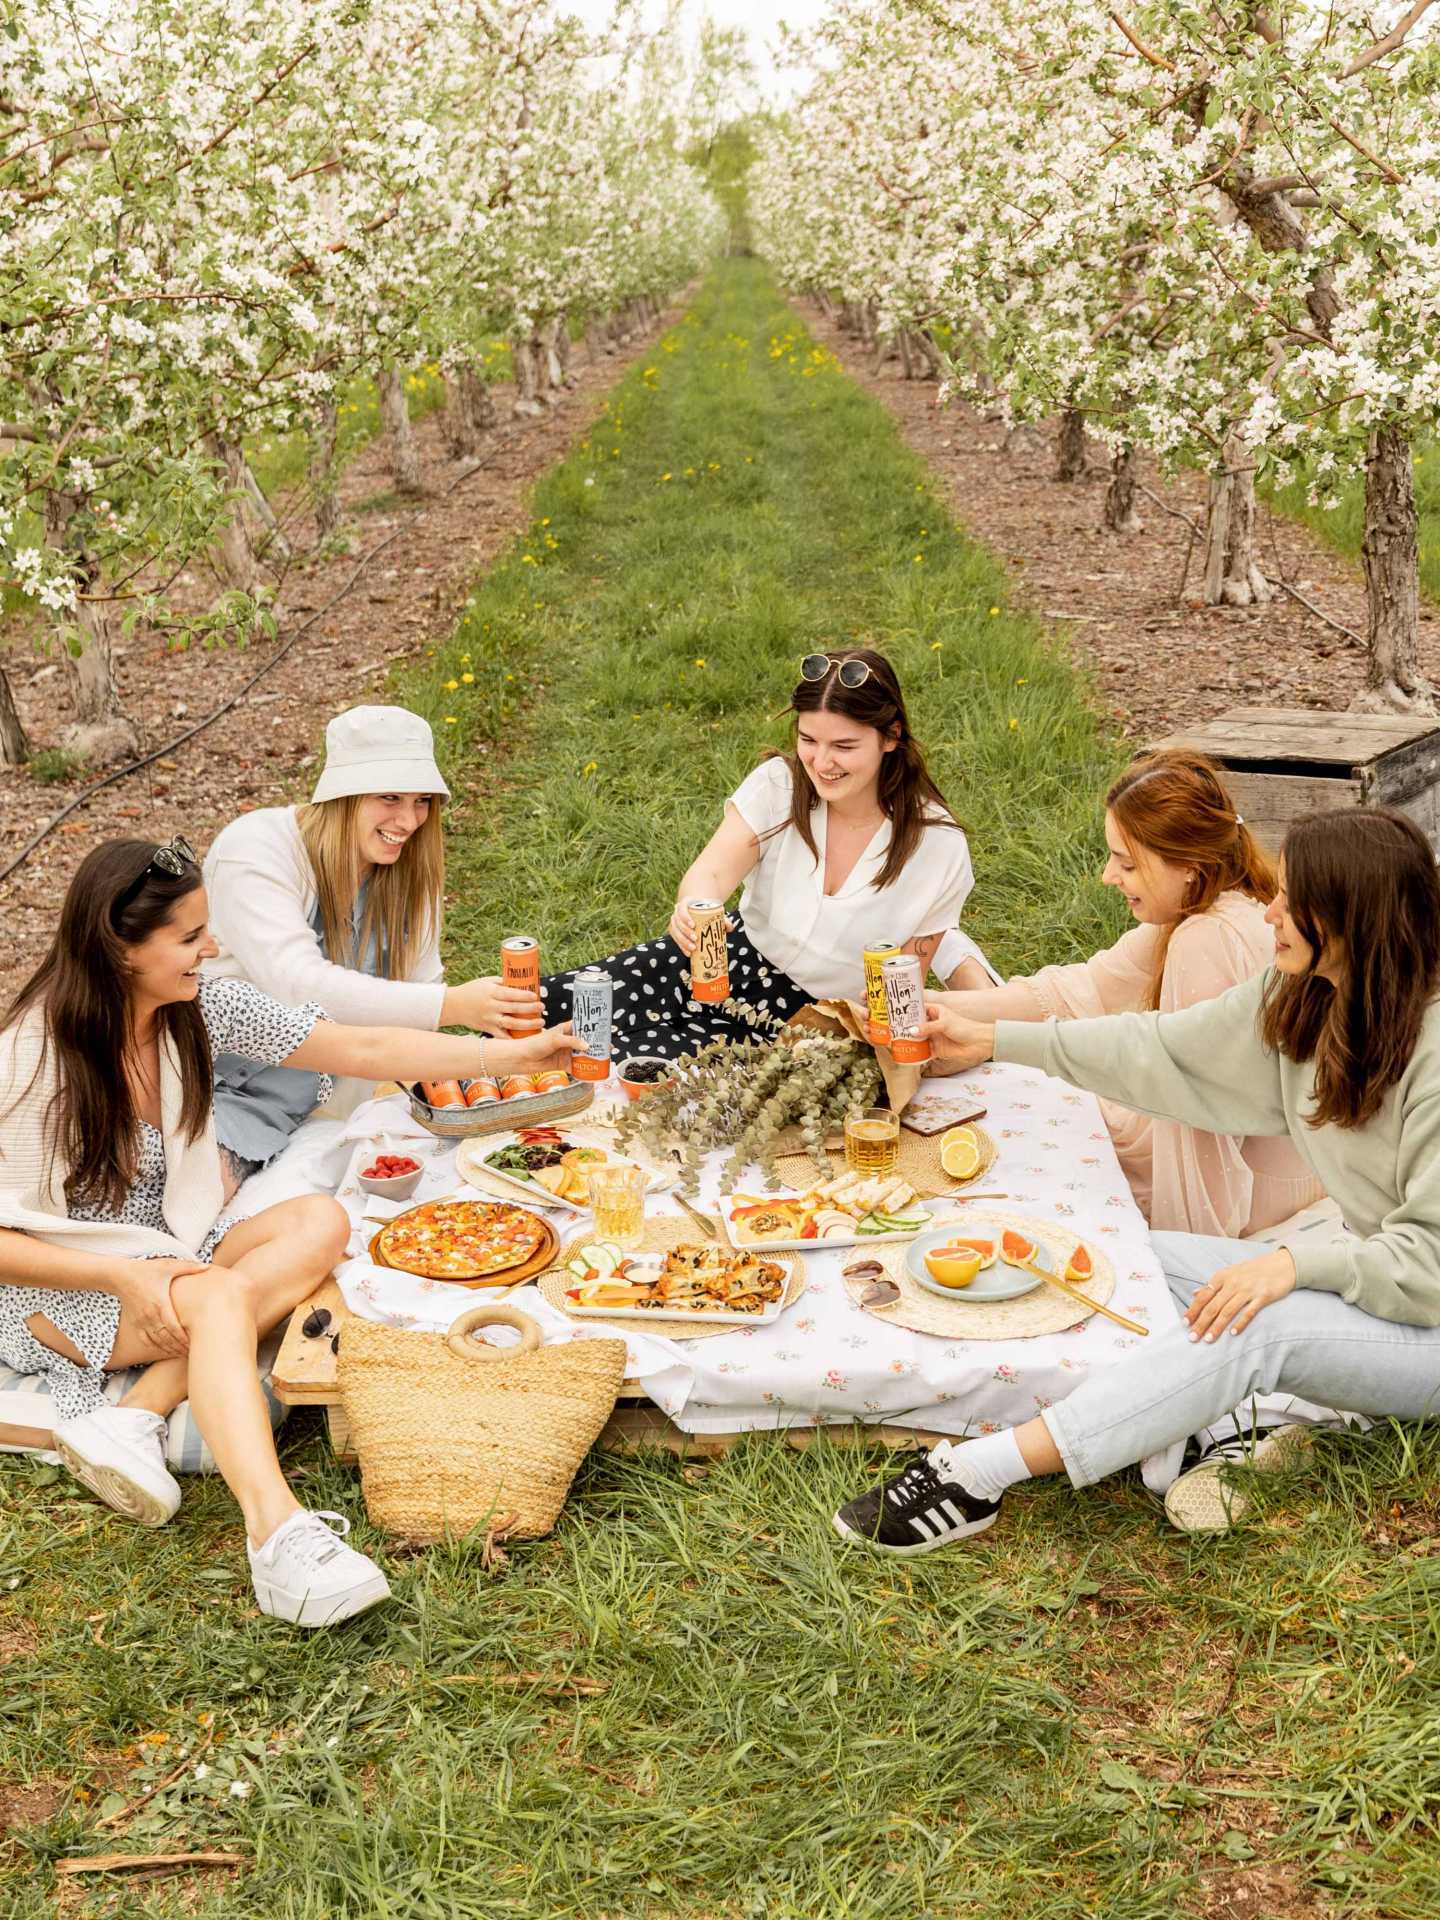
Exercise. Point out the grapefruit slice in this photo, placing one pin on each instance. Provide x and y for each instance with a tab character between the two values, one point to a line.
1018	1251
960	1154
1081	1266
985	1248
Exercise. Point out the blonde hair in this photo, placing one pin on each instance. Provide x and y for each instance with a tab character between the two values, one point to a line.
402	903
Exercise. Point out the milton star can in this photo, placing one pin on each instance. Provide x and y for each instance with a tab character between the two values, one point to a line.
479	1093
710	962
878	1025
904	978
520	967
443	1093
593	993
552	1080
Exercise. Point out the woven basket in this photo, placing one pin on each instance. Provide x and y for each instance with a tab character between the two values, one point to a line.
455	1434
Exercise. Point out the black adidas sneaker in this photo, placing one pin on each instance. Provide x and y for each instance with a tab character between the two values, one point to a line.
916	1512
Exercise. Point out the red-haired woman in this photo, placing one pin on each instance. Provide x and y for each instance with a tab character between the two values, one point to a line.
844	843
1338	1047
1195	879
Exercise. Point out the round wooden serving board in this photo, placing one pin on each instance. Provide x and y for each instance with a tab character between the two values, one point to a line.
543	1256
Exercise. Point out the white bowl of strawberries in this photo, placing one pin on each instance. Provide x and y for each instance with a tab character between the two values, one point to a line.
393	1176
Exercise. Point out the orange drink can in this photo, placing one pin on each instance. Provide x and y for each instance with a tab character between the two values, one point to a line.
520	967
878	1025
443	1093
515	1084
904	978
552	1081
710	962
479	1092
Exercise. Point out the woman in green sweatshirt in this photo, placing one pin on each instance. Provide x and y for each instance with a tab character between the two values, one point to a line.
1339	1047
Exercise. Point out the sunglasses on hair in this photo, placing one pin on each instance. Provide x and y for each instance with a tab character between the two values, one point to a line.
850	673
172	860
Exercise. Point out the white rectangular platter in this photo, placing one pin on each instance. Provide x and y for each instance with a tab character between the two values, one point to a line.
923	1219
659	1316
474	1153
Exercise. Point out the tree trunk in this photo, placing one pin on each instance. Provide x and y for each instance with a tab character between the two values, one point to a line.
236	550
1072	456
324	477
907	363
547	359
14	747
274	536
102	730
1120	515
930	353
1390	551
522	355
1232	572
395	418
564	348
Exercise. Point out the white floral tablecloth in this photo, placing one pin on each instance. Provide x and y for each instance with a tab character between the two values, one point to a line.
825	1361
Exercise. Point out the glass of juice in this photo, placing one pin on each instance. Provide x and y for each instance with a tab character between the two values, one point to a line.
872	1140
617	1199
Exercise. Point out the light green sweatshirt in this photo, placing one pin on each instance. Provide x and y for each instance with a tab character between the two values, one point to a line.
1207	1067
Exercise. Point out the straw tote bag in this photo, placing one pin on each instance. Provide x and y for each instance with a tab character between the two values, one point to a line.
454	1433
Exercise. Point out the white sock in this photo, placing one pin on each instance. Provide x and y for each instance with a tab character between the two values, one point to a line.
984	1467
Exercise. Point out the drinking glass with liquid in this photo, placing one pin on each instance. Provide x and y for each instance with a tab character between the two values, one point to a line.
617	1200
872	1140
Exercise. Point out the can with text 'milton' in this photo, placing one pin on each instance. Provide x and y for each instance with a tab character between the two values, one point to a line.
710	962
593	992
875	956
520	967
904	977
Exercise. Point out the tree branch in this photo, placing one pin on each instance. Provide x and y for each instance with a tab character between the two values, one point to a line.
1146	53
263	95
1389	42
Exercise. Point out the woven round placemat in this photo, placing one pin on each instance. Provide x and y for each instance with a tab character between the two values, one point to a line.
1046	1310
662	1231
919	1163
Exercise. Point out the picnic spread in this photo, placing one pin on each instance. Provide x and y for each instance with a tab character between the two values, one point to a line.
835	1342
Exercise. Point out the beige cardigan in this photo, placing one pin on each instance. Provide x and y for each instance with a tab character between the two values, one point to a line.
32	1179
1186	1181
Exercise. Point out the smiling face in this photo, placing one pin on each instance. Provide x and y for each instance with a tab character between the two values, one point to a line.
165	968
1293	952
384	822
1154	888
842	757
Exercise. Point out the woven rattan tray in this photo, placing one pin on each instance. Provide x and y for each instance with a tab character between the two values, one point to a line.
1046	1310
662	1231
919	1163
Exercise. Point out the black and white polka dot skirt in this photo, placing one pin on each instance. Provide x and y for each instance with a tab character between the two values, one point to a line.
653	1009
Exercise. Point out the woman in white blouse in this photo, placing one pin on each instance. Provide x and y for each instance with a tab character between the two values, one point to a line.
843	844
1198	883
339	903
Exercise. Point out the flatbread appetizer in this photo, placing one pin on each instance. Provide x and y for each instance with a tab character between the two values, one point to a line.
461	1239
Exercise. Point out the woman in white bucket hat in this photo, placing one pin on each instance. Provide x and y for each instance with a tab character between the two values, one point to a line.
340	903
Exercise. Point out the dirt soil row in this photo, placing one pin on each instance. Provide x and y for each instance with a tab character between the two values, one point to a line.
260	753
1127	605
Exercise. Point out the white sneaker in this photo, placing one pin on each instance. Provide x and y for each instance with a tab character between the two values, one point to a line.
1204	1500
306	1573
119	1453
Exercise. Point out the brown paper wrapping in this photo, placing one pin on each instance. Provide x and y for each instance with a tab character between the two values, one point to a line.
850	1020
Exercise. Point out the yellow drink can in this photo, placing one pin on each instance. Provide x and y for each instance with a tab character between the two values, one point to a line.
875	957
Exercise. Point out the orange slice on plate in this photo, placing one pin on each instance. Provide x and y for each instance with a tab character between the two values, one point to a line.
1018	1251
985	1248
1081	1266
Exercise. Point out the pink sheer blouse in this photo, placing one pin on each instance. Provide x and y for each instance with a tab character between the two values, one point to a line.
1185	1181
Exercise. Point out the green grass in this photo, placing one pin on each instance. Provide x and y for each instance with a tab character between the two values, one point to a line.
1343	525
1083	1714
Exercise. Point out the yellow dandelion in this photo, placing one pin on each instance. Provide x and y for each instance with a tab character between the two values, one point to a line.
700	662
936	645
450	720
589	767
666	476
451	686
468	679
1014	725
993	612
528	560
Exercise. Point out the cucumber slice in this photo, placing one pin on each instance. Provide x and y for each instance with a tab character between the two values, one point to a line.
579	1267
603	1256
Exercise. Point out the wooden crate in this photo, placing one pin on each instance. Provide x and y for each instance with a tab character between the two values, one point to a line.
1282	764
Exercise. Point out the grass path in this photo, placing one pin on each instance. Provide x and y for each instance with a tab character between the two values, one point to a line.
1083	1715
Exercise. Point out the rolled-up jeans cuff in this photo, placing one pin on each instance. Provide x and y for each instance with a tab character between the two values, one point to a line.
1072	1454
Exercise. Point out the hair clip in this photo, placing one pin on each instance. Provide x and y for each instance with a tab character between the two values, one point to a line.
1239	819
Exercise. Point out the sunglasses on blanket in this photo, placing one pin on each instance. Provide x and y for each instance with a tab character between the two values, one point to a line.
850	673
172	860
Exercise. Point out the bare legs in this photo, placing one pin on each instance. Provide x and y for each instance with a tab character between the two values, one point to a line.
1037	1449
263	1269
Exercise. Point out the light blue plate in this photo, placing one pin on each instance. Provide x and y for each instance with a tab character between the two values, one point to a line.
1000	1282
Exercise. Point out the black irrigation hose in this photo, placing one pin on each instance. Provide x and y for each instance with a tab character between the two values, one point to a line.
180	740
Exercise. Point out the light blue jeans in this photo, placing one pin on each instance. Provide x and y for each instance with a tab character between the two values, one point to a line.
1311	1344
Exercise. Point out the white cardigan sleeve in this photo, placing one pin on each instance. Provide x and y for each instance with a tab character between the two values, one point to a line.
260	903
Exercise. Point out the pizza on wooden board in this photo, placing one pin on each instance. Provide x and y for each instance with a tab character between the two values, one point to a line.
460	1239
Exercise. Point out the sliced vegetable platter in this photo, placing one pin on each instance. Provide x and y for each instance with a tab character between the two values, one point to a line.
851	1210
600	1271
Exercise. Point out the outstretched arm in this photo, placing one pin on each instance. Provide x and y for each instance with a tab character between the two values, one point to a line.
726	858
397	1053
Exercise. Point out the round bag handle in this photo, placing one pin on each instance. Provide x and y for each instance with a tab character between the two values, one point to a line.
498	1315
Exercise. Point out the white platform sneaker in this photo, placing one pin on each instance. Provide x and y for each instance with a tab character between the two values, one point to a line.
305	1572
119	1454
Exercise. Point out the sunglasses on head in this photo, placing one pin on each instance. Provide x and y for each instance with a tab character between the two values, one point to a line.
172	860
851	673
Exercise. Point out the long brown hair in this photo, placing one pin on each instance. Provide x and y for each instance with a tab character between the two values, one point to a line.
82	987
402	902
1371	872
908	795
1174	803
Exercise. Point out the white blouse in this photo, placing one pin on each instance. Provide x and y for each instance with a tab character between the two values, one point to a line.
819	939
